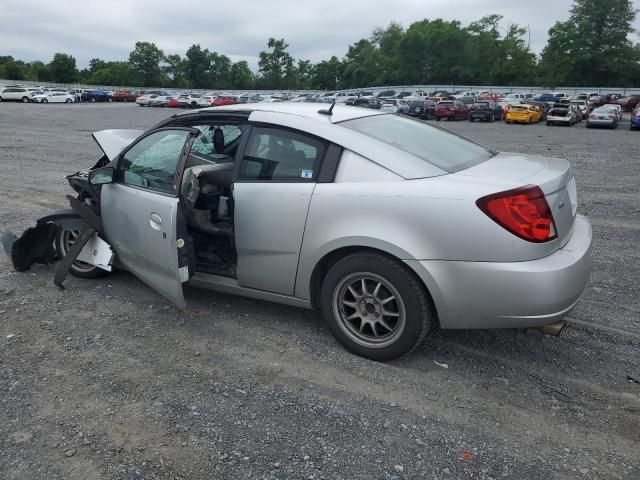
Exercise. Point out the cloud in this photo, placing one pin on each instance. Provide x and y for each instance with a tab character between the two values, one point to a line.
34	30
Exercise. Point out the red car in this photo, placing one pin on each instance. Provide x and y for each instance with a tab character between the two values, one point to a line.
492	97
125	96
173	102
452	110
629	103
224	100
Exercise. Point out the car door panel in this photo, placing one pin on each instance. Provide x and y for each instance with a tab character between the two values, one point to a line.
140	209
269	224
141	227
276	174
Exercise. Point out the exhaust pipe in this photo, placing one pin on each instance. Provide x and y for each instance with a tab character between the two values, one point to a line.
554	329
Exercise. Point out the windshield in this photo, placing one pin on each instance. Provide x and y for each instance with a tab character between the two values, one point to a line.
434	145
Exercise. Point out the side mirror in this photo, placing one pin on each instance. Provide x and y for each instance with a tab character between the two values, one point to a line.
101	176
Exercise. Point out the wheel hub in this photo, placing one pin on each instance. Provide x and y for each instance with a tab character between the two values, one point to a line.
369	309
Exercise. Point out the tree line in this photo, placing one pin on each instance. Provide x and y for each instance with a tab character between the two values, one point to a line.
592	47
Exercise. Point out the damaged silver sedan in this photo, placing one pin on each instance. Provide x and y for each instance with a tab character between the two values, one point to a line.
390	226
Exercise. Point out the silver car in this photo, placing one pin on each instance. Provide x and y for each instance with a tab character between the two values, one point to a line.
603	117
389	226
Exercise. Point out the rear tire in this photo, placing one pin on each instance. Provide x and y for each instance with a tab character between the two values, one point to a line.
25	99
375	306
68	100
64	241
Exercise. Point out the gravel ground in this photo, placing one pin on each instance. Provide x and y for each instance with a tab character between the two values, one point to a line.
105	380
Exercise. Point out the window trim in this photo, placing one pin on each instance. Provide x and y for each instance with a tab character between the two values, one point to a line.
302	137
177	179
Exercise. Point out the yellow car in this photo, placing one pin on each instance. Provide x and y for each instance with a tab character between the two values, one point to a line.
523	113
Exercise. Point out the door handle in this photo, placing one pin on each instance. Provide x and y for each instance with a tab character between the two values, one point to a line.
155	221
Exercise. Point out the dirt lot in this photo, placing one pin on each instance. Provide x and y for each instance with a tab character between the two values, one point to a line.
105	380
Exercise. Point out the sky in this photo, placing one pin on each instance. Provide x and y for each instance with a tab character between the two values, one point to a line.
315	30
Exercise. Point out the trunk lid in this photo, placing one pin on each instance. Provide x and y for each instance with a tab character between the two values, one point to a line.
552	175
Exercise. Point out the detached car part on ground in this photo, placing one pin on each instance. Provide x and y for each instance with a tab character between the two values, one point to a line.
388	225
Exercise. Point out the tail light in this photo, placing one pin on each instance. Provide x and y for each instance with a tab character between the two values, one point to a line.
522	211
611	117
593	117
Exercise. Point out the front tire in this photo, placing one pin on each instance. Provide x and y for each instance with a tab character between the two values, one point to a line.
25	99
375	306
65	238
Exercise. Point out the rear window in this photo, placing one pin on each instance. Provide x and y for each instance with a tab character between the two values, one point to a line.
518	109
432	144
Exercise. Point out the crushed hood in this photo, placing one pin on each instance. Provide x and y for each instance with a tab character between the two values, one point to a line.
113	141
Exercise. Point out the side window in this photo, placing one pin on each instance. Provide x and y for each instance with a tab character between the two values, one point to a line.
152	162
281	156
204	142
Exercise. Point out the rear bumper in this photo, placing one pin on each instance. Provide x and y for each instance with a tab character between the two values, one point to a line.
602	123
510	295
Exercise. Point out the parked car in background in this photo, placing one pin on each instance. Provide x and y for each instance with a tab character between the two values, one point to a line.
394	105
629	103
494	97
603	117
221	100
425	109
173	102
255	98
562	115
544	108
617	108
15	94
54	97
452	110
341	97
487	111
145	100
365	102
160	100
635	119
194	100
385	94
583	106
523	113
403	95
125	96
94	96
545	97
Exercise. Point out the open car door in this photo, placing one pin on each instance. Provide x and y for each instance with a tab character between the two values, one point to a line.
140	209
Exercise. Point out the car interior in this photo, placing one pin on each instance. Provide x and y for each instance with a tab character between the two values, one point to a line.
207	204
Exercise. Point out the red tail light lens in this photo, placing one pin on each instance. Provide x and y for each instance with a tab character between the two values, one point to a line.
592	116
522	211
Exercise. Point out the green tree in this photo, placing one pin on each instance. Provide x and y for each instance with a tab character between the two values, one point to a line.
13	71
241	75
273	65
112	73
38	71
360	65
174	71
145	62
63	68
593	46
220	71
197	65
327	74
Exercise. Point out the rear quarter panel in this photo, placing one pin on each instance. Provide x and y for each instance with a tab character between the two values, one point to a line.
425	219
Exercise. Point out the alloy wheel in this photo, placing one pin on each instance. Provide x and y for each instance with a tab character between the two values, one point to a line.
369	310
